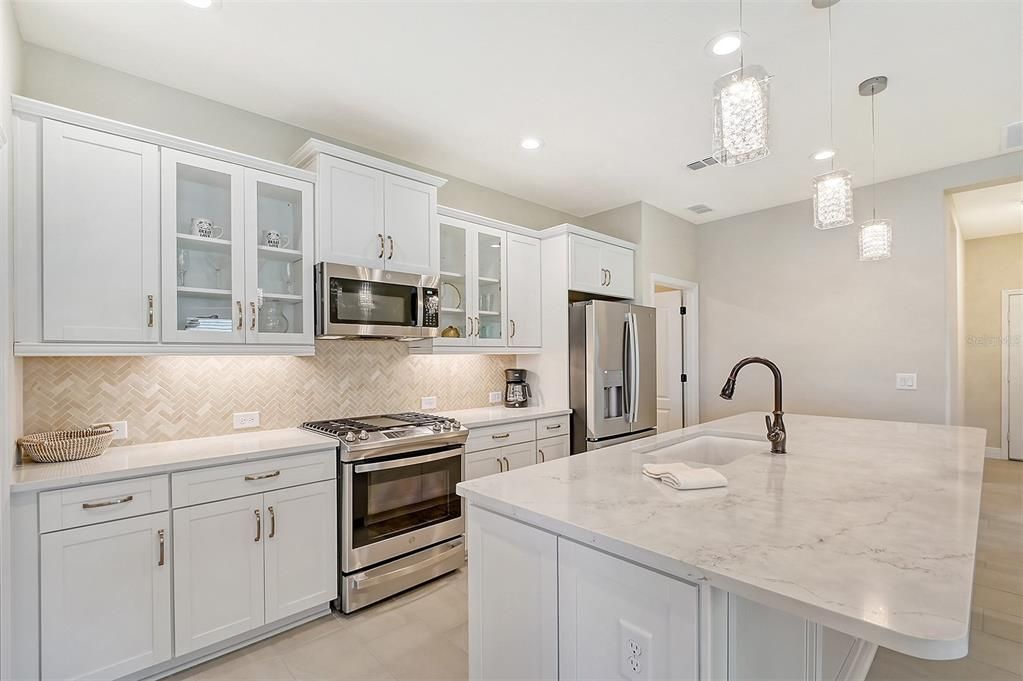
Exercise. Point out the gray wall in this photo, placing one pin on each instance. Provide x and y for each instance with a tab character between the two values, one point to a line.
772	285
61	79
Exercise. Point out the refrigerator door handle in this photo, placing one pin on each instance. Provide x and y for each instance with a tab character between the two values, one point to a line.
627	370
632	328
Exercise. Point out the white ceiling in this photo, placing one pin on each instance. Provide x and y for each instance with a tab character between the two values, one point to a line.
991	211
620	92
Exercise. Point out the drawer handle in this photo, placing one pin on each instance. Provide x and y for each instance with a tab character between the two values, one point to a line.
501	436
259	526
262	476
554	427
109	502
162	534
273	522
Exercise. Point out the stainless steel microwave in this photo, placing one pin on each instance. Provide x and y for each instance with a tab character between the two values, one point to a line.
359	302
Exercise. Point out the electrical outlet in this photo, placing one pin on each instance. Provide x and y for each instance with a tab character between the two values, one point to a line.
634	652
120	429
496	397
246	419
428	402
905	381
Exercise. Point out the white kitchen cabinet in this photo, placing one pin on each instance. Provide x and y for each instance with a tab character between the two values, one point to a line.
100	236
301	548
410	226
519	456
483	463
473	269
553	448
105	598
600	267
619	620
351	213
761	641
525	306
218	575
513	599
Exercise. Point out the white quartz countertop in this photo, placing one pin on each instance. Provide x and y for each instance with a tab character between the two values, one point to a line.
164	457
496	416
868	527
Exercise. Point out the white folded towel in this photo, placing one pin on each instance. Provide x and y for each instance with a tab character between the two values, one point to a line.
681	476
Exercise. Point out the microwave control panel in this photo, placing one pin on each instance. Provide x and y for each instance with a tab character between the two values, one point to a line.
431	308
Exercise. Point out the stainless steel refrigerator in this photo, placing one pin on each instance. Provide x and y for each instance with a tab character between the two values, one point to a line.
612	373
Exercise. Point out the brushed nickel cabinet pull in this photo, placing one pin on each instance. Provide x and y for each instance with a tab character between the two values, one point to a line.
500	465
109	502
163	538
259	526
273	522
610	277
513	327
391	242
554	427
507	466
262	476
151	316
540	452
252	326
381	237
241	314
501	436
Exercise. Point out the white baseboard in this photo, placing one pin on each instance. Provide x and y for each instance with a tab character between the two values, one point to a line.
994	453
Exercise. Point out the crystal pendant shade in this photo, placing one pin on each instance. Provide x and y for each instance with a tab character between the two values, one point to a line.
740	116
832	200
876	240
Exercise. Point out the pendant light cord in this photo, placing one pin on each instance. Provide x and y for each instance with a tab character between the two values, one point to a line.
873	152
742	40
831	96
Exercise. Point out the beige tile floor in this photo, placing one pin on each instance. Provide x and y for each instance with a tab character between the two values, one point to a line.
422	634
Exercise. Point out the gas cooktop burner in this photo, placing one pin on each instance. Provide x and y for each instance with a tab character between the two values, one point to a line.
390	432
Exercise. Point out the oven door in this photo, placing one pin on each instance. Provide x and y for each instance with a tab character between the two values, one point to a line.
357	301
396	506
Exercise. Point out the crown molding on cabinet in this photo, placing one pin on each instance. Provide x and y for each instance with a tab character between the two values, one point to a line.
308	151
567	228
447	211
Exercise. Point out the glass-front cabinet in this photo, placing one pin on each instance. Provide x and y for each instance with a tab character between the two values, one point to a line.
236	253
473	269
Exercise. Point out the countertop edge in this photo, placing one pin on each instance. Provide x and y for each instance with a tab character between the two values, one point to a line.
510	417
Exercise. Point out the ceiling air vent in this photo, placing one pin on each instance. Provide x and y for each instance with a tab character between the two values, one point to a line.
702	163
1012	136
700	208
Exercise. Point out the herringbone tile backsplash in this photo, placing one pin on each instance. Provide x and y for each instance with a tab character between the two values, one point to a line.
170	398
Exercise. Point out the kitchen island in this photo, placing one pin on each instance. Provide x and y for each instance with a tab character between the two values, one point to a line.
864	534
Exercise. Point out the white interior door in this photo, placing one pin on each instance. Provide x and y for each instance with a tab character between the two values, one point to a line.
669	360
1014	373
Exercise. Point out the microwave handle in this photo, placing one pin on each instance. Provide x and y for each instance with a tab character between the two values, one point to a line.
401	463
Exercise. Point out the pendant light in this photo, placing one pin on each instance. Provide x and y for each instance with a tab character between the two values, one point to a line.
740	112
875	234
832	191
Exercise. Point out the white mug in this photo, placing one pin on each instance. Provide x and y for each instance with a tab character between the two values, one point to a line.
275	239
205	228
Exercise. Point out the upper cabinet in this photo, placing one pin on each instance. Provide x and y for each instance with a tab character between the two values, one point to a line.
524	291
129	241
597	266
371	212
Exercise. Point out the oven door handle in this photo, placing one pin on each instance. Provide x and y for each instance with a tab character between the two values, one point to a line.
363	582
401	463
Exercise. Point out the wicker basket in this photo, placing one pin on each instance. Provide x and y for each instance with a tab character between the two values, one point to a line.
67	445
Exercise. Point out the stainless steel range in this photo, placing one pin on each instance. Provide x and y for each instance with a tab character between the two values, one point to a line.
400	519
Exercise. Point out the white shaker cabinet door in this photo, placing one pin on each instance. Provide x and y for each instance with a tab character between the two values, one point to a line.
553	448
513	599
619	264
350	219
101	234
586	272
218	571
620	621
105	598
766	644
301	548
524	302
412	229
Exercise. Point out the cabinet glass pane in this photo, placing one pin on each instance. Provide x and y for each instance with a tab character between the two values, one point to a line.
489	304
280	282
453	292
203	258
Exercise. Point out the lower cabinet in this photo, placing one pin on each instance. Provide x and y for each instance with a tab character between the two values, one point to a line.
105	598
247	561
553	448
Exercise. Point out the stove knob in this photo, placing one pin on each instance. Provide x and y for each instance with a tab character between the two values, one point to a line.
350	436
436	427
363	435
455	425
447	425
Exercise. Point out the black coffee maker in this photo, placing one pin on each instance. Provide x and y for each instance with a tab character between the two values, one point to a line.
516	390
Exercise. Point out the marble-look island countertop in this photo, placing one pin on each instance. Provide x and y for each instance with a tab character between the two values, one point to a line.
868	527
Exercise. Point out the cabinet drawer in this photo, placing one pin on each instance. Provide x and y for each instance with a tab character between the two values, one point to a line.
65	508
553	426
490	437
235	480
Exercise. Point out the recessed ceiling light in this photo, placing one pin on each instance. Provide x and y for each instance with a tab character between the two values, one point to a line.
201	4
531	143
823	154
723	44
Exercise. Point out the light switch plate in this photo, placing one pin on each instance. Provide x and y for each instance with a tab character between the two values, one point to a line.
246	419
428	402
905	381
120	429
496	397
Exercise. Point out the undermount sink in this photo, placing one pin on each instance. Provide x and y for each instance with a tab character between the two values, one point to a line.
709	448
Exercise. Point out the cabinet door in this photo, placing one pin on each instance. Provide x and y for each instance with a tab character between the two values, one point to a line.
278	259
618	620
489	270
480	464
513	599
105	598
101	226
519	456
301	548
524	303
585	268
455	275
218	573
620	268
411	226
203	222
350	222
553	448
766	644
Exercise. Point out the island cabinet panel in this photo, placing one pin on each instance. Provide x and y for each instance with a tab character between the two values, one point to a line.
513	599
619	620
765	644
